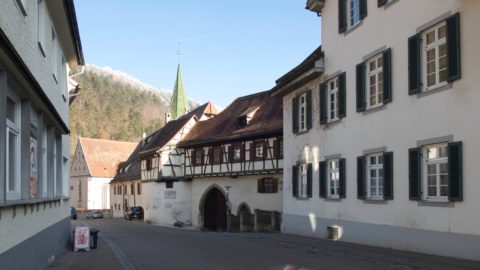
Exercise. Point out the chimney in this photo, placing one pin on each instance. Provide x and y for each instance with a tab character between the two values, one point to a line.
167	117
144	135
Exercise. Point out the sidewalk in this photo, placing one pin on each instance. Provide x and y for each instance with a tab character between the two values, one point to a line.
100	258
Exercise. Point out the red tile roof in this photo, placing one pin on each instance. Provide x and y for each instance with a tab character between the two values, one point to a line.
103	156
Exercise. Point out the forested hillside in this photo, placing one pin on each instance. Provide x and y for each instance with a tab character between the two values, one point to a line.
112	105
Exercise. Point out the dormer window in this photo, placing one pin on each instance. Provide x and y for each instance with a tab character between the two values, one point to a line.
243	121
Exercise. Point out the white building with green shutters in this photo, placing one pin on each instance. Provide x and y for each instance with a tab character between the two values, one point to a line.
382	141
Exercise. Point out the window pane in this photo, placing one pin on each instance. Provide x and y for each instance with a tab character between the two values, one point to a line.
432	191
432	153
12	161
380	159
373	80
430	37
380	62
372	65
373	101
11	108
373	160
442	76
442	32
431	168
431	55
373	173
432	180
380	173
442	151
444	191
443	180
443	168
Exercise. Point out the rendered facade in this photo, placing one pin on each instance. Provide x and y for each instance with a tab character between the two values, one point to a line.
39	45
392	144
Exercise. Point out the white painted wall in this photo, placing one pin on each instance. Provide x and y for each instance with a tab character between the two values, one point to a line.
398	125
243	190
119	199
160	208
98	193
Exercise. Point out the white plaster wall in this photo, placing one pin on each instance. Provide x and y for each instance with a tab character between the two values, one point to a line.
243	190
13	22
119	199
160	210
95	194
27	222
398	125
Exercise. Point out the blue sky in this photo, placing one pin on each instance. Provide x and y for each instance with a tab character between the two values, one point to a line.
229	48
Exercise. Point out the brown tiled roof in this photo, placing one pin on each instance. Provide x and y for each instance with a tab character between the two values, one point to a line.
129	169
267	118
103	156
161	137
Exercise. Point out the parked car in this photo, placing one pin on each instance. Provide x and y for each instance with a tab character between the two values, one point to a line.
134	212
73	213
95	214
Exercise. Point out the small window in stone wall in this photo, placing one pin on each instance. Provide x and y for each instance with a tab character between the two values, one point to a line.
169	184
267	185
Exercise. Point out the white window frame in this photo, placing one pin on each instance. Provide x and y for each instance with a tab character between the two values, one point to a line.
237	152
333	178
302	181
54	57
353	13
259	150
302	112
41	25
437	162
434	45
332	100
378	74
13	129
378	179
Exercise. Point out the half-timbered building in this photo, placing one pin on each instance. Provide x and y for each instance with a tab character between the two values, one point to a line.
166	192
235	162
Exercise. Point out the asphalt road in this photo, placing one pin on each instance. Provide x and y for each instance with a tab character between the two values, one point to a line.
136	245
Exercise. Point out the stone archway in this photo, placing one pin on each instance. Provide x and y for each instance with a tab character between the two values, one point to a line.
214	210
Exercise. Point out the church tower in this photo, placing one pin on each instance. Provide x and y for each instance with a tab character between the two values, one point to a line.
178	103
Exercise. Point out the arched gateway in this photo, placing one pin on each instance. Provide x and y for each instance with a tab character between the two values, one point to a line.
214	210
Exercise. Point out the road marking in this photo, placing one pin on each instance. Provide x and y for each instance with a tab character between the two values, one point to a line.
121	257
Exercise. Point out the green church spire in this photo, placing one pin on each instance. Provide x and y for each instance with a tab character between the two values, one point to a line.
178	103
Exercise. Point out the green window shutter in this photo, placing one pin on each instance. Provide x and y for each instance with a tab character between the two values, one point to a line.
295	115
414	173
342	97
455	175
342	176
342	16
387	76
388	175
295	181
360	87
363	9
309	109
453	48
322	179
361	177
381	2
323	103
309	180
414	49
